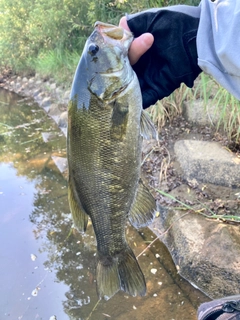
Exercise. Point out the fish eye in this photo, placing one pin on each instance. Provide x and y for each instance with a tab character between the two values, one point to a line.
93	49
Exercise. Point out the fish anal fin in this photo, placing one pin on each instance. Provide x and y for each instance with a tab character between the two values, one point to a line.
144	208
131	276
148	131
80	218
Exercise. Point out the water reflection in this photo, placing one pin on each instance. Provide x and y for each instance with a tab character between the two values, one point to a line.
48	269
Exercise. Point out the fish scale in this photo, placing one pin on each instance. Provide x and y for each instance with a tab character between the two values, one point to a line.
105	119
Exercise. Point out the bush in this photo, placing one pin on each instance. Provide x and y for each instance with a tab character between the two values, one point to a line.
31	27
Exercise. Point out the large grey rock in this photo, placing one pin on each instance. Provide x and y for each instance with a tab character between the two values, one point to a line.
206	252
208	162
198	112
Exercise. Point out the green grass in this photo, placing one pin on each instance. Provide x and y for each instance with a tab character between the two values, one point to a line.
225	105
213	96
57	64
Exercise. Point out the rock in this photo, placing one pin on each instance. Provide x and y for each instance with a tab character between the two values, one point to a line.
48	136
61	163
31	81
54	110
36	92
200	113
38	83
63	120
208	162
46	102
66	95
205	252
53	86
59	93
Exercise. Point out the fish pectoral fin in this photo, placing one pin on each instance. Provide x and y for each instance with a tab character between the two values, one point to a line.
80	218
148	131
143	209
131	276
108	282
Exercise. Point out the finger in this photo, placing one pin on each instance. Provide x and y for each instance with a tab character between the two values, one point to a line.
123	23
139	46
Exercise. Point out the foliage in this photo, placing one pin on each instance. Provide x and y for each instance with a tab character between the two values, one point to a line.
30	27
215	98
47	36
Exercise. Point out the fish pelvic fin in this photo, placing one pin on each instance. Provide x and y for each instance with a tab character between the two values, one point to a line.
120	272
148	131
80	218
144	207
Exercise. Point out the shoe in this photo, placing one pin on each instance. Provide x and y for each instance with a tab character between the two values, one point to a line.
227	308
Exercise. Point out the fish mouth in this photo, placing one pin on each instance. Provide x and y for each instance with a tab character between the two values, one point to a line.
113	32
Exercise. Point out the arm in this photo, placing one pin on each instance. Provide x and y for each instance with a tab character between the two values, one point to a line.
172	58
175	57
218	43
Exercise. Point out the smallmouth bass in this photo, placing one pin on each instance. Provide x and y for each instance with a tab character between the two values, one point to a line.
106	125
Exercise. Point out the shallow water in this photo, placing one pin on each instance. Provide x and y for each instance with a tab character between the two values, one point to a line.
47	269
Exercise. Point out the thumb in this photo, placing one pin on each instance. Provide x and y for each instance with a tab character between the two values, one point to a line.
139	45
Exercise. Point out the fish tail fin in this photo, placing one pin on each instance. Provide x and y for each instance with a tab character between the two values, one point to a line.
108	282
131	276
120	272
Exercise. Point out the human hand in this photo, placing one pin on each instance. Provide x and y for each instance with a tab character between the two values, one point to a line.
139	45
163	53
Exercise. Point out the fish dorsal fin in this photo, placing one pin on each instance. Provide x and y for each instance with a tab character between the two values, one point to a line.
148	130
143	208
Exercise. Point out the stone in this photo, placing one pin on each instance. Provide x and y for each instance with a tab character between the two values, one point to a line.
53	86
38	83
48	136
61	163
197	111
31	81
36	92
54	110
46	102
59	93
66	95
205	252
208	162
63	120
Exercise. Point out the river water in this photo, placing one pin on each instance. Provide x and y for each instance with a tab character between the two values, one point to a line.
47	269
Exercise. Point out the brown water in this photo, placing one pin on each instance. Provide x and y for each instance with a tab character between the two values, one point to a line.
47	269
